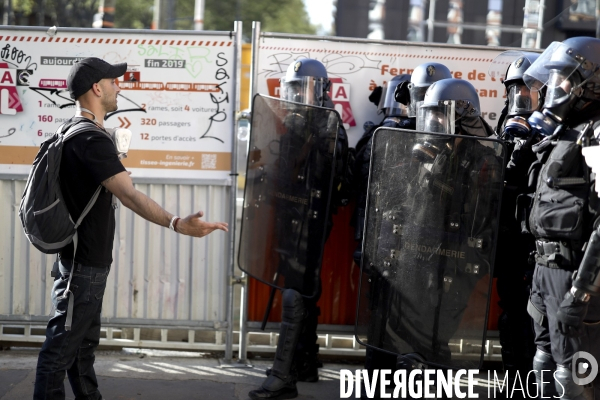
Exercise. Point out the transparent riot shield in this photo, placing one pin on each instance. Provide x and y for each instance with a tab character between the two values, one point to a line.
428	249
287	194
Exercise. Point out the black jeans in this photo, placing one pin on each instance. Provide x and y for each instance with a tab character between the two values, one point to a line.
72	351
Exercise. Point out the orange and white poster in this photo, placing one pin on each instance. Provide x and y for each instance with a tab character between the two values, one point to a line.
355	68
177	97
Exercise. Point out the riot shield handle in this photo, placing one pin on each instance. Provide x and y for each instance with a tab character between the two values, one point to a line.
268	309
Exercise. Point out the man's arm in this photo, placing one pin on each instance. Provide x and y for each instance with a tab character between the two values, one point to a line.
121	186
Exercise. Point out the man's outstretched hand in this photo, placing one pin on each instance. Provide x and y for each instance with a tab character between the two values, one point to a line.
193	225
121	186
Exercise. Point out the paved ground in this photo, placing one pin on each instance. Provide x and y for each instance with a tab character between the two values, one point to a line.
149	374
136	374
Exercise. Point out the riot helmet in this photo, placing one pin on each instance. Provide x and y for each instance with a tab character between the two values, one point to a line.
521	102
305	82
451	106
388	103
421	78
569	71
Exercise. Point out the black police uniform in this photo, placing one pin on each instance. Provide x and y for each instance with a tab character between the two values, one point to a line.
513	266
374	359
573	215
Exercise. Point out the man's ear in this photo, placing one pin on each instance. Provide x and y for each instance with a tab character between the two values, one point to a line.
97	89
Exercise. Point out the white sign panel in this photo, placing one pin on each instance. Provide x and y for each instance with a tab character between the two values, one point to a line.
355	69
177	97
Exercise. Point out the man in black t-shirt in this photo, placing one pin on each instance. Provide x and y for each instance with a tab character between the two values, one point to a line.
89	160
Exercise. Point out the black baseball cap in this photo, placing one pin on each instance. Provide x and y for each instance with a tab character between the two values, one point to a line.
84	73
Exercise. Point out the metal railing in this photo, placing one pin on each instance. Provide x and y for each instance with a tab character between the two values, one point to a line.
530	10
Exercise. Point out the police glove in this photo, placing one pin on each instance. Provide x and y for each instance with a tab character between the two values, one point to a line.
572	311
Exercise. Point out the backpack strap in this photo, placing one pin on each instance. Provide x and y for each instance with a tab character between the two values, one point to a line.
73	128
86	210
65	126
71	131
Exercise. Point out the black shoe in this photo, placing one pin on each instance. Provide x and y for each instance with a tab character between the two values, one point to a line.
274	388
309	373
283	393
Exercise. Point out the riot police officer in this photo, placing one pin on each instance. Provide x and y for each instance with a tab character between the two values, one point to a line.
423	76
305	83
464	118
565	216
512	269
462	179
395	115
451	106
430	229
398	105
520	102
395	102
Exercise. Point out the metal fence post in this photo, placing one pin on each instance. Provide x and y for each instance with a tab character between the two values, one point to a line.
233	198
431	21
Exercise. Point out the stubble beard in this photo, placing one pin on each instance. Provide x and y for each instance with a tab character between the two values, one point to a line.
109	103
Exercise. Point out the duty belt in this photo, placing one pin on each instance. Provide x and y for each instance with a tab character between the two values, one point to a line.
554	254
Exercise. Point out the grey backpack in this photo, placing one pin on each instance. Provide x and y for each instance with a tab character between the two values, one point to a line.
44	215
43	212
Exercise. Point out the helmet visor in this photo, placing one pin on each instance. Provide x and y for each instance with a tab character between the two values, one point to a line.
521	100
380	106
438	118
559	87
557	56
306	90
417	94
500	64
391	106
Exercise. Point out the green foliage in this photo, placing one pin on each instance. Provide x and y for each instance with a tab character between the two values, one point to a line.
290	18
136	14
286	16
25	6
185	15
65	13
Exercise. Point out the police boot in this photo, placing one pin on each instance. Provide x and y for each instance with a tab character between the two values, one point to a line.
281	383
543	369
308	364
305	366
566	386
